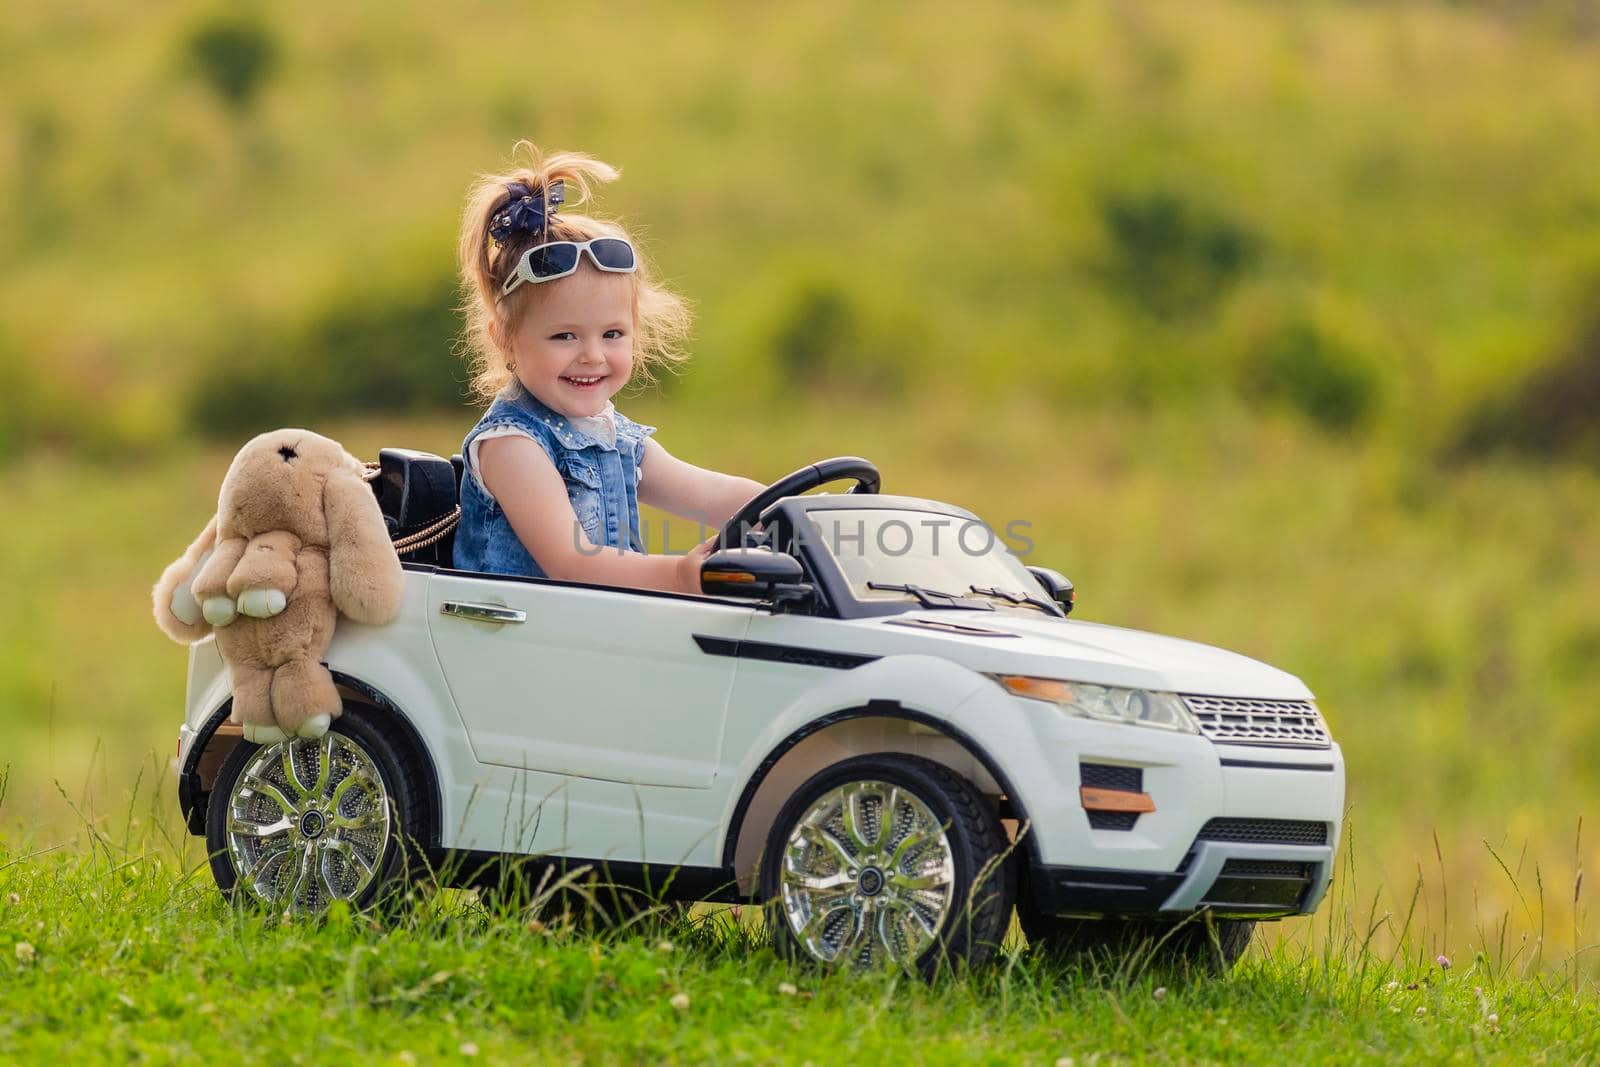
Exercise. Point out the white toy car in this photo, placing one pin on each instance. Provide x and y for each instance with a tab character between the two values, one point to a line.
876	720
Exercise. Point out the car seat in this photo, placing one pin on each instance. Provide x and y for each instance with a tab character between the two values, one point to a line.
419	495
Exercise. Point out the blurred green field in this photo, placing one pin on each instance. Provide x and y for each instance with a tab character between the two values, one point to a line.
1380	216
1278	323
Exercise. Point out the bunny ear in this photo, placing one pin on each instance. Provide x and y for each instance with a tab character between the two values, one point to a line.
364	575
176	611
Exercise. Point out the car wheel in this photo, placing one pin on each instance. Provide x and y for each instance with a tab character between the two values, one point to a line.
306	821
1191	943
887	858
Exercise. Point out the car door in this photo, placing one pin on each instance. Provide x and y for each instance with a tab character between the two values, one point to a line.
586	680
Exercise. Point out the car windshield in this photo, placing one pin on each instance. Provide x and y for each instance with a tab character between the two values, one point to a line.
938	560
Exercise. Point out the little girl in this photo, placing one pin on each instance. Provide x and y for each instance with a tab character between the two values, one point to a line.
562	312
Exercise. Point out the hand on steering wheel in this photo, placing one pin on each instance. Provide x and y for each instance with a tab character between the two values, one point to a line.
801	481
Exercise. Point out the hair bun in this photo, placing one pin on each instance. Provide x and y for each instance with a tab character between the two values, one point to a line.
526	210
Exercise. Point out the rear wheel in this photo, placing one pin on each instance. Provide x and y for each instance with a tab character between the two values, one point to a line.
301	823
887	858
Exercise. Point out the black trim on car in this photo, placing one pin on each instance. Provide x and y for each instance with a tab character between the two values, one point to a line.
191	798
1271	766
466	868
1265	831
887	709
1111	776
526	579
1260	887
1098	890
1241	890
810	657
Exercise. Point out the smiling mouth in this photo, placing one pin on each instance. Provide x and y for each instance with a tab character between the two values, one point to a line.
587	381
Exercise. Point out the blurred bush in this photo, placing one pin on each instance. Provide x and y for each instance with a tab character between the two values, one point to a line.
1302	366
1171	254
40	142
825	338
1554	412
816	336
234	54
360	353
21	414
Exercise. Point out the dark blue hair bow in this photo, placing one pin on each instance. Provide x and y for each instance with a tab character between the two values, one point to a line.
526	211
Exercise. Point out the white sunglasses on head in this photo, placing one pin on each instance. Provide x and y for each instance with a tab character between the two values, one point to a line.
557	259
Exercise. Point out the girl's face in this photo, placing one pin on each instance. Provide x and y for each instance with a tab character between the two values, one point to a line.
574	345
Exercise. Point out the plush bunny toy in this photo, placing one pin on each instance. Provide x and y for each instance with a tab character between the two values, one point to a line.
297	538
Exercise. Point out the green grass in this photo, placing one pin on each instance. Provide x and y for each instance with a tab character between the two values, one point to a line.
118	949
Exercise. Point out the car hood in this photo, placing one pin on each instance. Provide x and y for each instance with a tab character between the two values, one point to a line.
1096	653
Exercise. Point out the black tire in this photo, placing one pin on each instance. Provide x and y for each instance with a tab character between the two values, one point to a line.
405	786
1163	942
982	882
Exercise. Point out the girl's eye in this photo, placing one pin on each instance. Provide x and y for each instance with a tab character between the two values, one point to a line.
612	335
564	335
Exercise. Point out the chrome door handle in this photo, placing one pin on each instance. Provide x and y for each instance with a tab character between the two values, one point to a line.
482	612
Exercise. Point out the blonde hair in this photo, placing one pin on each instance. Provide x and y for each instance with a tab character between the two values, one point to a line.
660	317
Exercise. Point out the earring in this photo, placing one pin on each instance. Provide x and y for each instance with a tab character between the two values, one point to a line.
511	365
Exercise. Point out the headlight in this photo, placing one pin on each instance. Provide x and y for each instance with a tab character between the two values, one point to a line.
1135	707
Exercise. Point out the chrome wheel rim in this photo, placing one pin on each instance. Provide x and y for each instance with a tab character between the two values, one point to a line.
308	823
867	876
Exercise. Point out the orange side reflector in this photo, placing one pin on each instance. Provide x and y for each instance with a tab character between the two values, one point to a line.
728	576
1038	688
1114	800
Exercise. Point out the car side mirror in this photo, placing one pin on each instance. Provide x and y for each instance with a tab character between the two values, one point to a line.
1058	586
753	573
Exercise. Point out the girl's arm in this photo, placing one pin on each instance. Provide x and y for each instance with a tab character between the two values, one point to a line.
689	491
518	472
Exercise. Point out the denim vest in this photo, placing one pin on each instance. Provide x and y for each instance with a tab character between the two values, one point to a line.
602	483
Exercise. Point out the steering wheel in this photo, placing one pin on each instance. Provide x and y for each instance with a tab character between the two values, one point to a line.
801	481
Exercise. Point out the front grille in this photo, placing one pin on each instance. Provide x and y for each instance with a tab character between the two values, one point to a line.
1243	721
1265	869
1110	776
1265	831
1112	820
1258	887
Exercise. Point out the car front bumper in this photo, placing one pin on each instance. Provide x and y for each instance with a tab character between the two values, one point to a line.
1230	879
1240	830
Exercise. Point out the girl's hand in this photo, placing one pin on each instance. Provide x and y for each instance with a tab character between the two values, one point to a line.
689	566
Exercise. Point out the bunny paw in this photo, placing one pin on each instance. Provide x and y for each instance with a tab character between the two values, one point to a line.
264	735
262	602
185	608
218	610
315	726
